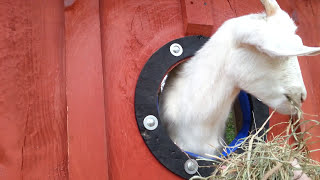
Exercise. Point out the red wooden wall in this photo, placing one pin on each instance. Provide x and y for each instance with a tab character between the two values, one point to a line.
67	80
85	92
33	126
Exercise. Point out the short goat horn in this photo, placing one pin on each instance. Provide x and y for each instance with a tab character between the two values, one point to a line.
271	6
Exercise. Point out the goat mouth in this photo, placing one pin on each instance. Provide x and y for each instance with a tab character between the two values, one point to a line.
293	102
288	97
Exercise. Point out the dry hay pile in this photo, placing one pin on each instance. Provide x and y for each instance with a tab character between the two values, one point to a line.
271	159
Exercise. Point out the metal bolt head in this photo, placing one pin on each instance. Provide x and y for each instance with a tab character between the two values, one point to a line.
176	49
191	166
150	122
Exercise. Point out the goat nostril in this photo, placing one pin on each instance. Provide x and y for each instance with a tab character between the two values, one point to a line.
302	99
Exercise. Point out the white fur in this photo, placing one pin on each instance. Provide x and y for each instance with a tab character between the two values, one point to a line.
256	53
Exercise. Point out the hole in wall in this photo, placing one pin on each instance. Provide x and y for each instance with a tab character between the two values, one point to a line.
234	121
231	128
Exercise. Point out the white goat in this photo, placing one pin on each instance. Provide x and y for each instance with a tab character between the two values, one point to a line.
256	53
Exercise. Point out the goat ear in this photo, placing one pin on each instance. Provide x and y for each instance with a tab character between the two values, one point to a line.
270	6
291	51
276	45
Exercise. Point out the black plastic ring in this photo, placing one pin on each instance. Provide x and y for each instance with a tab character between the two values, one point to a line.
146	102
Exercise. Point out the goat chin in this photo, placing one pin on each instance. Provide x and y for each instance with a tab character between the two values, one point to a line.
256	53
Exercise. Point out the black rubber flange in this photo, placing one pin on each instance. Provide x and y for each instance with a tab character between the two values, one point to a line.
146	102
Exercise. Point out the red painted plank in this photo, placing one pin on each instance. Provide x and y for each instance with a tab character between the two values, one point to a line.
197	17
85	94
131	32
225	9
33	141
307	16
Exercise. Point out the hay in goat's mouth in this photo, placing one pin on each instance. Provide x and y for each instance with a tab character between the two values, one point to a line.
271	159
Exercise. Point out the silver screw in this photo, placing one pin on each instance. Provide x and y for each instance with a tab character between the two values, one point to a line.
176	49
191	166
150	122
